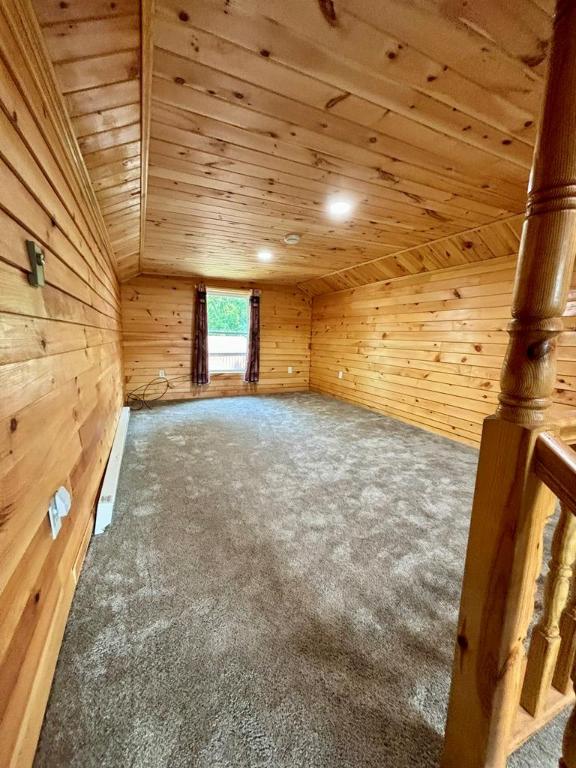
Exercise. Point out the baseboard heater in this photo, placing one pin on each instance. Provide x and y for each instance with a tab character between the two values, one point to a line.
105	506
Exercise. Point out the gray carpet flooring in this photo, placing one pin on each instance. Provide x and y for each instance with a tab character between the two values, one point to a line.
279	590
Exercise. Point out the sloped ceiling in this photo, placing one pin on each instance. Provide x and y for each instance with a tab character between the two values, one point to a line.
421	112
95	49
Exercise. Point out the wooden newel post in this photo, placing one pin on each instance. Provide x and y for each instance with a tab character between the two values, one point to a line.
510	502
548	245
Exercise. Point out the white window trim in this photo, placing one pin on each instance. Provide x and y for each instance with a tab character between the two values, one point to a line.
234	292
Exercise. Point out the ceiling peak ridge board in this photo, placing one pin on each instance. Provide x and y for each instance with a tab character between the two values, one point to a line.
401	252
447	137
430	92
29	38
147	11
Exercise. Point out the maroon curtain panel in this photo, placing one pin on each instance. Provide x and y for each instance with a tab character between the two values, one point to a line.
252	374
200	373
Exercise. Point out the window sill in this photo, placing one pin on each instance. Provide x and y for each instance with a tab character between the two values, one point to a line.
226	375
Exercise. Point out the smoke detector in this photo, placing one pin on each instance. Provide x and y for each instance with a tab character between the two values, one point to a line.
292	238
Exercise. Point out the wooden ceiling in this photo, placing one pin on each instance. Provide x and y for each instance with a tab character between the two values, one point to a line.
95	48
423	112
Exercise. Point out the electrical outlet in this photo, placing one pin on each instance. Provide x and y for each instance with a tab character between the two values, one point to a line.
162	373
340	374
290	369
54	517
58	507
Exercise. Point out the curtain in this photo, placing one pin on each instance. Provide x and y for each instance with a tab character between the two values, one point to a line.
200	345
253	362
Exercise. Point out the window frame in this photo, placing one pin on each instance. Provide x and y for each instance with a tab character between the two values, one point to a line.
235	293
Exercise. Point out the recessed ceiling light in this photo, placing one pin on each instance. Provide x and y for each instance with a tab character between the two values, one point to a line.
292	238
264	254
340	207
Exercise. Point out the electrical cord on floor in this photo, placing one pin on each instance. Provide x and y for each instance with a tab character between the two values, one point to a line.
138	397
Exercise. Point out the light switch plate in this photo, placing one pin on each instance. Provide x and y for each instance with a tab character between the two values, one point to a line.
290	369
340	374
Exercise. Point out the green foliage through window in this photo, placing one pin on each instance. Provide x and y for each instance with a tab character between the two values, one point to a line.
227	314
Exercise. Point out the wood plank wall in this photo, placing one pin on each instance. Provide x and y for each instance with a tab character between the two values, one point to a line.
427	348
95	49
60	375
157	323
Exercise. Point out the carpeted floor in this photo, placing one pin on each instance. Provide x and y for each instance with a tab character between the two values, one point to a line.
279	590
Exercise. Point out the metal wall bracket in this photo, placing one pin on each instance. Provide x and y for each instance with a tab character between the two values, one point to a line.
37	262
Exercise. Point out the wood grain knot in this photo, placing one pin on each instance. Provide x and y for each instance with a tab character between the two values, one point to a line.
328	11
462	641
539	349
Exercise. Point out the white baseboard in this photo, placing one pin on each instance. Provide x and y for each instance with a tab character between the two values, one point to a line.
105	506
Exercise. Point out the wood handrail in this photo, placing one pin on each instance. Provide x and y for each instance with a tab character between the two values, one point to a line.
555	465
562	419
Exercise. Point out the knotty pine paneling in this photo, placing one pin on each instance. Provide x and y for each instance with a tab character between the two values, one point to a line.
60	375
94	47
261	110
157	315
428	348
501	238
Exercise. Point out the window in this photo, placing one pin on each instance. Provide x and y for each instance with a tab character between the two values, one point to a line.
228	317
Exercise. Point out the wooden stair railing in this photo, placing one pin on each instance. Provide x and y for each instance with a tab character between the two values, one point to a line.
547	686
546	638
518	461
555	464
562	680
552	645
